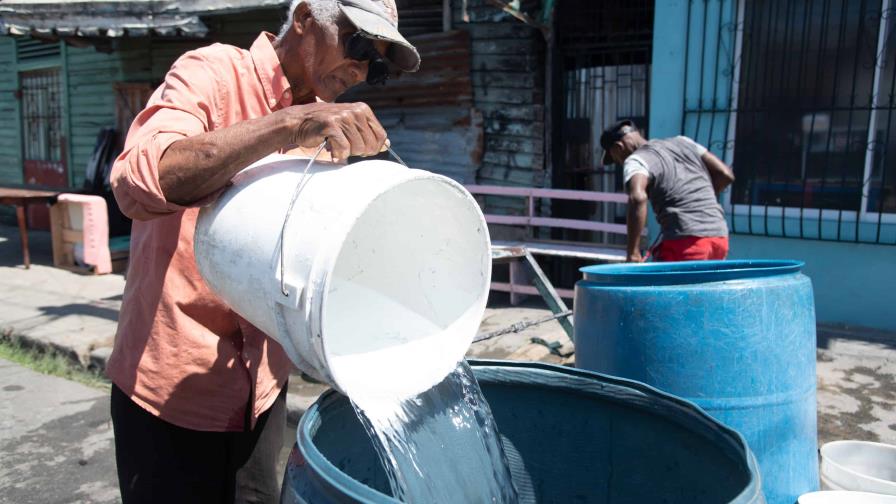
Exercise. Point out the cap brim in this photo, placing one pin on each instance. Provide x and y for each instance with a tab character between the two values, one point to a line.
403	54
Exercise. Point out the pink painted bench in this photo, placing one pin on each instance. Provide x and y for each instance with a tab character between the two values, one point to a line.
503	250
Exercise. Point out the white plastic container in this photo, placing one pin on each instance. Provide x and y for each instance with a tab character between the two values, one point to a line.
387	268
845	497
859	466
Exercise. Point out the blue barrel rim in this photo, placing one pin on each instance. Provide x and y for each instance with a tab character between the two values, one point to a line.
334	477
688	272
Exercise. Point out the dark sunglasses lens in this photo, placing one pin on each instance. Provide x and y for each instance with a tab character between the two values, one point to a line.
377	72
359	48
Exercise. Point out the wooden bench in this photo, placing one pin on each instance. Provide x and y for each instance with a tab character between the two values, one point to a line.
522	270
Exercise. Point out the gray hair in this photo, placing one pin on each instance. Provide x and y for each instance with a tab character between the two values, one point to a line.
324	11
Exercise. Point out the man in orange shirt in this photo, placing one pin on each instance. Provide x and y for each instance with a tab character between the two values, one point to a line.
198	401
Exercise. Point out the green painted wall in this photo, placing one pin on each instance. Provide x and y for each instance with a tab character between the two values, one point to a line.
10	143
91	76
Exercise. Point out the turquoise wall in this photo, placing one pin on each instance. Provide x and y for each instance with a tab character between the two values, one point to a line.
853	282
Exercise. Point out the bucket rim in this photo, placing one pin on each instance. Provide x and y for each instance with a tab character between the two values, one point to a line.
336	478
675	273
825	449
324	264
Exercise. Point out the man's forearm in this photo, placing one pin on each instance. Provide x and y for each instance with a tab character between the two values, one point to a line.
720	174
636	221
719	183
197	166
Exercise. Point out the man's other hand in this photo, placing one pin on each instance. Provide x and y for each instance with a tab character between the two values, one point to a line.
350	129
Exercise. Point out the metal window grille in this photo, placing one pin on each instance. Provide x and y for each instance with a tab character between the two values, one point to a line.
806	118
605	50
41	115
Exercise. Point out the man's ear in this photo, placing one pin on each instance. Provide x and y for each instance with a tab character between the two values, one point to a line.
301	17
619	144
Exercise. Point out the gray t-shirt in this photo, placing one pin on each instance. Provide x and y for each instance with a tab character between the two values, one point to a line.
679	187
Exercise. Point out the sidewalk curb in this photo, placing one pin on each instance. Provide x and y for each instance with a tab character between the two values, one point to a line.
10	335
96	361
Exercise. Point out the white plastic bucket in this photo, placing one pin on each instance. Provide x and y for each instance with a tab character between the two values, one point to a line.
845	497
387	268
860	466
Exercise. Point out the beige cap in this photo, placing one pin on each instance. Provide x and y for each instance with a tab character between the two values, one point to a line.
378	19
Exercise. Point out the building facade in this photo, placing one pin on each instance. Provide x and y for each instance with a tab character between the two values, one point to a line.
797	96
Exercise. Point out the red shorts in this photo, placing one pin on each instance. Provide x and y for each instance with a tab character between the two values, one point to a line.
692	248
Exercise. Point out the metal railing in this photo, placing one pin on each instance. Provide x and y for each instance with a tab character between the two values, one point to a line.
532	220
799	96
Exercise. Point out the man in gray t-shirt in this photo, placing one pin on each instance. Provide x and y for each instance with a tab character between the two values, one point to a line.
683	181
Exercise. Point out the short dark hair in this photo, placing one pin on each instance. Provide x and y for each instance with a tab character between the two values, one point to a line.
613	134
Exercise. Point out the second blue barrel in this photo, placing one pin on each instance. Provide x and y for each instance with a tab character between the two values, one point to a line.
735	337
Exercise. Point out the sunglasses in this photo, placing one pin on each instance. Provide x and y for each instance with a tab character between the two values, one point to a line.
360	48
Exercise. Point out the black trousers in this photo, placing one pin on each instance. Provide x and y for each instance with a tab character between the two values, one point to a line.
162	463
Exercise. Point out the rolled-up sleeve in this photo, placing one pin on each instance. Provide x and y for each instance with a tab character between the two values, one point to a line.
186	104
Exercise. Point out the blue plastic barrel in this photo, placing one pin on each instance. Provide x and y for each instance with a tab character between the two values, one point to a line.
735	337
570	436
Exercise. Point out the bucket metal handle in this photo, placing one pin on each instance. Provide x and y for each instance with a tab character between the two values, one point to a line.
295	290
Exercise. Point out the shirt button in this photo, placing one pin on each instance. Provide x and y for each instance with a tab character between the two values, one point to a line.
273	102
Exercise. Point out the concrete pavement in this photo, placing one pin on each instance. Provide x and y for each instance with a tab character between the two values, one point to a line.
72	313
55	440
856	385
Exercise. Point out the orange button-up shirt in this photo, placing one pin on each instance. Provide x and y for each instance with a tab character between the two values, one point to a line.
180	352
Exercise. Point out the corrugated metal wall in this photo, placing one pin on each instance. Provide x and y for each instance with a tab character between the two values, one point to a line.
508	89
419	17
429	114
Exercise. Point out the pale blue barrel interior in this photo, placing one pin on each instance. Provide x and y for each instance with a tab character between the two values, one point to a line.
572	436
735	337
